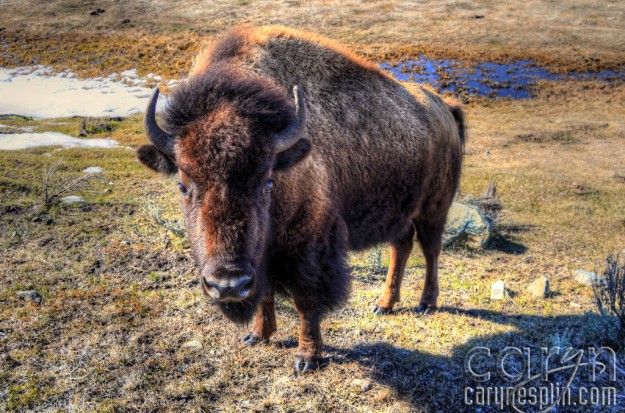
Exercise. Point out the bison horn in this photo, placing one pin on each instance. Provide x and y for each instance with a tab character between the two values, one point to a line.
294	131
163	141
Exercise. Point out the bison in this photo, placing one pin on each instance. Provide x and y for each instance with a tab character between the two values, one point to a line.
277	187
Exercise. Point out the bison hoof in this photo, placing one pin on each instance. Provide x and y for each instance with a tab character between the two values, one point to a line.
425	309
377	310
251	339
307	364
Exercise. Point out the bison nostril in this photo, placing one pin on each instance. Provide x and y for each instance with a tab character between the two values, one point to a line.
236	289
244	287
211	289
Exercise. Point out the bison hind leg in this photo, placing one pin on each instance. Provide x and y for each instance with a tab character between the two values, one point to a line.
400	252
430	236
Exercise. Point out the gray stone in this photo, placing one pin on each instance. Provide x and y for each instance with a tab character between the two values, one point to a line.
192	344
498	290
539	288
30	295
467	223
6	359
364	385
43	219
93	170
589	278
73	200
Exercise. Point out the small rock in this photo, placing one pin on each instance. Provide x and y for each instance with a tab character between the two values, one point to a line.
282	381
498	290
30	295
125	21
580	189
193	345
93	170
73	200
589	278
364	385
467	222
539	288
43	219
6	359
108	191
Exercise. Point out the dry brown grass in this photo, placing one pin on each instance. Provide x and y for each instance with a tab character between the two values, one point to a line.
162	36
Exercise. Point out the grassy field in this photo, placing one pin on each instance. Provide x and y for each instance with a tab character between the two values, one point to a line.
120	293
162	36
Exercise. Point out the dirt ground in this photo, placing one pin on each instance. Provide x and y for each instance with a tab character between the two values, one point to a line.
120	293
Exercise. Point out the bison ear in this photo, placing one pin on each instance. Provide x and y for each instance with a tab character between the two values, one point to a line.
293	155
156	160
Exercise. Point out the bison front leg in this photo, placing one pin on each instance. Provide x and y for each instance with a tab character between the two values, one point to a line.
264	322
309	349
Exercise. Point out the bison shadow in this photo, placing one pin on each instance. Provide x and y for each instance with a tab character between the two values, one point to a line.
503	238
436	383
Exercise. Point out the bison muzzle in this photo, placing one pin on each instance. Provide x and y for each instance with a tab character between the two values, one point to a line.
290	152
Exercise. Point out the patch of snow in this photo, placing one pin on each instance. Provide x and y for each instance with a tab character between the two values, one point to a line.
93	170
130	73
73	199
14	141
35	91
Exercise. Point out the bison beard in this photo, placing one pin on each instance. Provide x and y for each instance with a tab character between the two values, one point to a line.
240	312
371	163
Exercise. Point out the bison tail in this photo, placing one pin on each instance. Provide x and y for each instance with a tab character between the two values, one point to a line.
458	114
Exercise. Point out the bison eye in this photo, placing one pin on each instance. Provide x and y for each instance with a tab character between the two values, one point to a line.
183	189
269	185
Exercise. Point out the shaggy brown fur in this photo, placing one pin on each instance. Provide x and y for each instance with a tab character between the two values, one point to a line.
376	165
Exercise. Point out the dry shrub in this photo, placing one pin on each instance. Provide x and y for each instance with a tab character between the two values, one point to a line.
54	188
610	295
152	208
489	202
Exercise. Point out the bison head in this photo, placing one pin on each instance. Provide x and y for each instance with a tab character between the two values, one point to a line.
227	139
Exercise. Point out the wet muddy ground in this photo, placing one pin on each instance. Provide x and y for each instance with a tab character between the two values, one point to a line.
516	80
